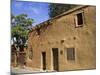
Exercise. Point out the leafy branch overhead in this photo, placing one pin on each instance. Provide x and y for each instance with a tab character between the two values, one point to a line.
20	26
56	9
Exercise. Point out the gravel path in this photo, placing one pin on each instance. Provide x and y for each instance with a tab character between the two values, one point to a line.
25	70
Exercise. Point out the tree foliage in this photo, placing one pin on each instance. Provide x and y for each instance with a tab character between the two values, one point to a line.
20	26
56	9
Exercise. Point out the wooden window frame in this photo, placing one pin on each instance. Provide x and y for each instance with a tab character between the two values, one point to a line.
70	54
76	19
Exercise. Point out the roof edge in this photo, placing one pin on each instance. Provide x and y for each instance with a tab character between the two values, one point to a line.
65	13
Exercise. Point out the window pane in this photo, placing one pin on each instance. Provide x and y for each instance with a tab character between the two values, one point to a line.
70	54
79	19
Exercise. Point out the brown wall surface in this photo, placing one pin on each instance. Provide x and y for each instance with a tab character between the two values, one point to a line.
83	39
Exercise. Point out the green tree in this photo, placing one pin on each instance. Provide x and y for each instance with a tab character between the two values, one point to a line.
56	9
20	26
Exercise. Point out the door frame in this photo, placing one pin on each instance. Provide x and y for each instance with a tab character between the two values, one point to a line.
42	61
53	57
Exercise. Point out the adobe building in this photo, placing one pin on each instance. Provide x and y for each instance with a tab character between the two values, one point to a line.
66	42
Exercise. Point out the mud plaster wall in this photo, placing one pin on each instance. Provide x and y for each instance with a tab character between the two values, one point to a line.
83	39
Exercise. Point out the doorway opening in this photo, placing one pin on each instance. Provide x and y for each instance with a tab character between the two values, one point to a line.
55	59
44	60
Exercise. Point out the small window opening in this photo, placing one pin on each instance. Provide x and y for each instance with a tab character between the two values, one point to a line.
79	19
70	53
30	53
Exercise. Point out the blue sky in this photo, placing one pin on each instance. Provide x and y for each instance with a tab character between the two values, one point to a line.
35	10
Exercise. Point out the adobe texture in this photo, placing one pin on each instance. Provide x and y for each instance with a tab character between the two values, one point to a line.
62	33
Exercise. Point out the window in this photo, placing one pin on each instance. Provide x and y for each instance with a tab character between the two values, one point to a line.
70	54
79	19
30	53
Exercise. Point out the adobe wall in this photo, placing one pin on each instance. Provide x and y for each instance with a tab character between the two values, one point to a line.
83	39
